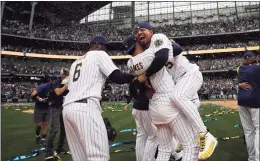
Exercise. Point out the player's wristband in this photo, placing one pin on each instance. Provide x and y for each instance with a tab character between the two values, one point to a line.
40	99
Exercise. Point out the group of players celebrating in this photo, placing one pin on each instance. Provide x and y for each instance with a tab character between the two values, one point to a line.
163	85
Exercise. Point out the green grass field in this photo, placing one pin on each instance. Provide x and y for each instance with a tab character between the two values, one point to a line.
18	137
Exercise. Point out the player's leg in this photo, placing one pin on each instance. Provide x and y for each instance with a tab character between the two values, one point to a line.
45	123
55	127
185	89
183	131
91	131
60	148
38	122
177	149
152	142
249	131
73	137
165	137
141	137
255	118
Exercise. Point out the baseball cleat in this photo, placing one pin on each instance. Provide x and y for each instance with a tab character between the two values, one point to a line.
62	151
43	143
179	148
208	143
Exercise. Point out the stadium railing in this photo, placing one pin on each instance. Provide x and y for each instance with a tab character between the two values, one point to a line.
52	56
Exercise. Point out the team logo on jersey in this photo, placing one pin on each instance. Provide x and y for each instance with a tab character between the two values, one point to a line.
158	43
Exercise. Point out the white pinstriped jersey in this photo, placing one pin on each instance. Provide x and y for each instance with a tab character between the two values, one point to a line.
161	81
88	75
177	65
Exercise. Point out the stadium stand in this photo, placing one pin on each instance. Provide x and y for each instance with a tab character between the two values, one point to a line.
204	26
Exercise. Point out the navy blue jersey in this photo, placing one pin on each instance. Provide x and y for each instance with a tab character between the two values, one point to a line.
249	97
57	101
43	92
141	102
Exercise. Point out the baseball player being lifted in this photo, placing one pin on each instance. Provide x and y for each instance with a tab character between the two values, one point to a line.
85	129
188	80
164	115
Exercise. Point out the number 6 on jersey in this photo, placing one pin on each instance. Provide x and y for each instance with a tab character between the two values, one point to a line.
77	72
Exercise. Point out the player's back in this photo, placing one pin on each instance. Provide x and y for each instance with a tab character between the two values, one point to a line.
179	65
161	81
86	78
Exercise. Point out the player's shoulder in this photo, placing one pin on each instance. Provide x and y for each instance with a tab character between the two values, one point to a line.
159	36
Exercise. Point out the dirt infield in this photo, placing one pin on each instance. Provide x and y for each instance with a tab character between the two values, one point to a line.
229	103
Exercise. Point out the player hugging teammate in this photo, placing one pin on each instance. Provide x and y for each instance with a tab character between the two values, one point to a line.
176	82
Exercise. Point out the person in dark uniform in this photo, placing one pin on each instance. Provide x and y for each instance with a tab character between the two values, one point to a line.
249	103
42	109
59	91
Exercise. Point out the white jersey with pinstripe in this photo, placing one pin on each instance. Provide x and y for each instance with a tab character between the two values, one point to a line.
187	77
163	85
85	129
163	112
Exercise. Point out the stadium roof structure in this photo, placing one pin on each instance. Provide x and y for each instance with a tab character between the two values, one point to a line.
64	10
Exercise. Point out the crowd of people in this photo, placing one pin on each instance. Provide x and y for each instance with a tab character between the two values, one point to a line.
20	65
213	86
81	32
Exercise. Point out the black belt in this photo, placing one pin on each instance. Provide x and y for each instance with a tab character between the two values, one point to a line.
85	100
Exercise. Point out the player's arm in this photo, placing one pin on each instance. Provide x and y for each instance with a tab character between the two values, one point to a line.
160	46
57	90
128	100
35	93
109	69
244	85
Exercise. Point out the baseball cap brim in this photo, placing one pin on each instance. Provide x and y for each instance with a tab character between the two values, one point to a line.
130	49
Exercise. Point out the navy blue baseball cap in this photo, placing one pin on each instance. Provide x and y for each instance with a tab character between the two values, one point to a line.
99	39
129	43
249	54
144	25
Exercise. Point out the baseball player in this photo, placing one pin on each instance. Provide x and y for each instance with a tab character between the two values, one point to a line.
85	129
249	103
59	91
164	115
146	140
187	77
42	110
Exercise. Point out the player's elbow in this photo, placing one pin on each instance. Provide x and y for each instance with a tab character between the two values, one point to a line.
162	55
177	49
120	78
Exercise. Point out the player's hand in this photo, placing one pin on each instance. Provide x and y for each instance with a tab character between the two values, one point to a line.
142	78
66	86
44	100
245	85
125	108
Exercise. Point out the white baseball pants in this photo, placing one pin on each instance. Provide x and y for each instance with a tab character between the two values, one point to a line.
86	132
184	133
146	140
186	89
250	123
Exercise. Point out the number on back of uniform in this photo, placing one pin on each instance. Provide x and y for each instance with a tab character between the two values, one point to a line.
76	74
169	65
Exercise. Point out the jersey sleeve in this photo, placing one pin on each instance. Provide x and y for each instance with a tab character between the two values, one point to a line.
105	63
160	41
56	84
40	89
